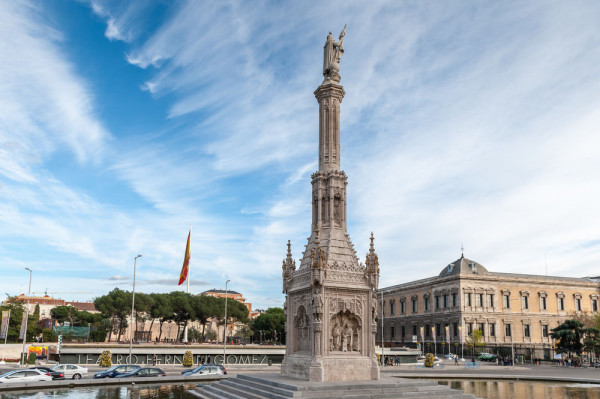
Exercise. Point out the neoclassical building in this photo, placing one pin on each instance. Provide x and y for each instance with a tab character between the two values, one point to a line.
506	307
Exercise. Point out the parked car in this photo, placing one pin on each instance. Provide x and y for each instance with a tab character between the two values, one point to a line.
205	370
71	370
144	372
223	369
29	375
56	375
117	370
487	357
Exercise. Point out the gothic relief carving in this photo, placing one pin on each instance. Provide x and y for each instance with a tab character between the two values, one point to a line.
317	302
302	329
337	209
345	333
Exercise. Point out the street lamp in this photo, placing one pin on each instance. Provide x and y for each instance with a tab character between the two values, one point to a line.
225	329
382	317
26	315
132	304
512	333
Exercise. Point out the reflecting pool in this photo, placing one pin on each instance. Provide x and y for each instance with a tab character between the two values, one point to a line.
174	391
487	389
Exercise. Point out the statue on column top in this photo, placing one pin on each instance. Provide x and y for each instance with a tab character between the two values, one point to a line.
332	54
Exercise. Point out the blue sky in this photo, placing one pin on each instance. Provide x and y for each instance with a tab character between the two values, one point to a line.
123	123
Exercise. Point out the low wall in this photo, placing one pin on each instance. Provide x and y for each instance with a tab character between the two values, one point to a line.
172	354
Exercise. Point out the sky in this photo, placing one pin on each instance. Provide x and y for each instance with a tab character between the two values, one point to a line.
468	124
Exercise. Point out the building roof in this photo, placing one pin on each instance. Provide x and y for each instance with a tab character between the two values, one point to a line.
216	291
463	266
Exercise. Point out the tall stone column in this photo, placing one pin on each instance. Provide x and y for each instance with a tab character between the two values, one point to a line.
330	295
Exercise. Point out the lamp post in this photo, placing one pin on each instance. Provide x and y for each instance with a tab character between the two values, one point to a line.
26	316
132	305
382	342
225	329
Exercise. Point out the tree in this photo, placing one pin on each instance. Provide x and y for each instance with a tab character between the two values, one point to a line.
64	313
475	339
183	310
115	306
272	323
568	336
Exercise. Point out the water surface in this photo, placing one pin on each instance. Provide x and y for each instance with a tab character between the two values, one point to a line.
491	389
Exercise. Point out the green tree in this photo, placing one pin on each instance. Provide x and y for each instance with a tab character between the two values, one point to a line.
272	323
64	313
568	336
115	306
183	311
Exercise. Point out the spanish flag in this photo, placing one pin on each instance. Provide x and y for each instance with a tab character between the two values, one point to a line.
186	261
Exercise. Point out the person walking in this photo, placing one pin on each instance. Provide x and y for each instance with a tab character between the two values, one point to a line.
456	360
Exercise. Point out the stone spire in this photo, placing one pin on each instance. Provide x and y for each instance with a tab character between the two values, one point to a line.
372	266
288	267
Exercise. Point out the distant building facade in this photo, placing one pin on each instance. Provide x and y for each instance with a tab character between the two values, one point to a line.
47	303
505	307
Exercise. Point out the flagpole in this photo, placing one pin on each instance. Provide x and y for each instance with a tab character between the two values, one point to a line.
185	330
189	263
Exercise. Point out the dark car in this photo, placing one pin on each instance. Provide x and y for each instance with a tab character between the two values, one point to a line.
144	372
117	370
194	371
56	375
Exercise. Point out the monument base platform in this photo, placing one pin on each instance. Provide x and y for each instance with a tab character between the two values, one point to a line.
274	386
326	369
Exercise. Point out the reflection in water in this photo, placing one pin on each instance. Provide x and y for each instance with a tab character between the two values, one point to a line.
122	392
525	389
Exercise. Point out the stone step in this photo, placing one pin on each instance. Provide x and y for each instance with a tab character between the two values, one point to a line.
251	387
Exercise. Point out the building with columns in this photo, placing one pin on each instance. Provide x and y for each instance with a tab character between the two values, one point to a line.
507	308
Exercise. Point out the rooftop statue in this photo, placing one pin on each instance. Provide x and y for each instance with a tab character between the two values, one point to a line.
332	54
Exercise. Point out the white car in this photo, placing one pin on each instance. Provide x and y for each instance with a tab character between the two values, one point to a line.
204	370
71	370
24	376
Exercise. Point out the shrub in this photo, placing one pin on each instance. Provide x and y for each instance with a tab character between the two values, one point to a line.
429	360
105	359
188	360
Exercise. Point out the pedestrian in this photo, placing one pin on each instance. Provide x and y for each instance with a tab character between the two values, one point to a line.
154	360
456	360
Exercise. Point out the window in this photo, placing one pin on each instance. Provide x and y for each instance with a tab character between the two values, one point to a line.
469	328
438	330
426	303
382	307
403	307
437	301
391	307
468	299
491	300
492	330
543	305
578	304
545	331
455	329
427	331
480	328
414	306
561	303
446	302
479	300
454	304
507	331
526	330
414	330
393	332
506	301
594	305
525	301
403	332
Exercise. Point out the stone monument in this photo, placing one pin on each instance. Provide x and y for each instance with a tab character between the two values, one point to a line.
330	298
